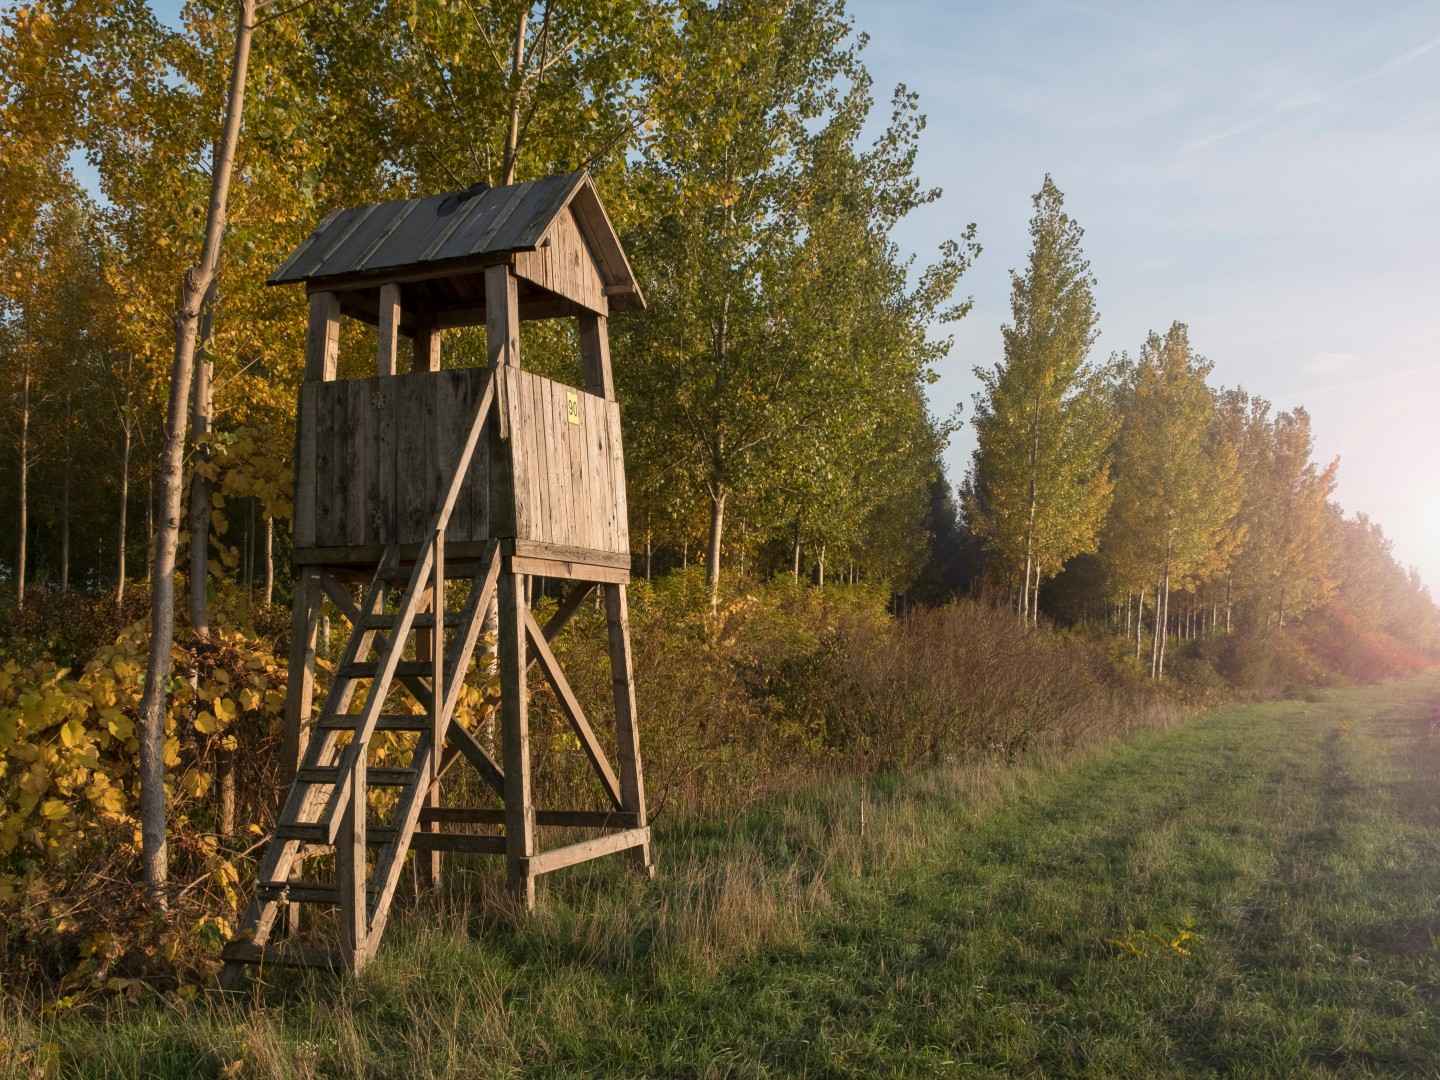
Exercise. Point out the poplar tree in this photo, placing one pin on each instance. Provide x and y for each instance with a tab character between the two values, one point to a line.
1042	419
1177	484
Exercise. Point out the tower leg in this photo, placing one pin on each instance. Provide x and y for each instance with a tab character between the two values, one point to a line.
426	643
515	739
300	692
351	875
627	733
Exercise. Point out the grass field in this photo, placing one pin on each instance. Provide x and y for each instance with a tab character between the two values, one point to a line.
1253	893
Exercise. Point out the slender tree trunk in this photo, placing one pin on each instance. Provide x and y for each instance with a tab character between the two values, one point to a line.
200	414
1160	668
162	606
23	533
269	559
517	86
712	558
124	516
1159	628
649	552
820	567
1139	623
1229	581
795	552
65	485
149	523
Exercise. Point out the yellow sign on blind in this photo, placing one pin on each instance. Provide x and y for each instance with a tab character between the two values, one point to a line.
572	407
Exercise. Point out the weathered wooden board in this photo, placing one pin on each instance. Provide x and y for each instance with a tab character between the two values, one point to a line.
569	471
564	264
375	456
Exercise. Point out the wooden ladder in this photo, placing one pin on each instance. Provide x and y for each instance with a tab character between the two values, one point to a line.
326	807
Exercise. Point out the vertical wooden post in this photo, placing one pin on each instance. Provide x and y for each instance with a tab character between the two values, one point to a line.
300	691
595	355
350	872
515	738
627	732
502	316
437	690
388	331
427	348
600	380
322	341
428	862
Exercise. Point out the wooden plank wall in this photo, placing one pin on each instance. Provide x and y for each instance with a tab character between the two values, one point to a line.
569	477
563	264
376	454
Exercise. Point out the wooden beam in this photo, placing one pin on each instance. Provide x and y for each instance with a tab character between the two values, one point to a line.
300	691
595	355
627	733
469	747
322	339
571	705
458	842
515	736
350	870
567	571
561	857
502	317
572	819
427	347
569	605
388	332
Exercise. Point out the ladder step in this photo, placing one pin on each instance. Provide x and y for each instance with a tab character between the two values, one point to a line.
453	571
386	620
310	833
387	722
376	777
300	892
461	842
247	952
370	668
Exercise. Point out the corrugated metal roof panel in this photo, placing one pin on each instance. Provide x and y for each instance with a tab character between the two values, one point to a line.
459	225
410	232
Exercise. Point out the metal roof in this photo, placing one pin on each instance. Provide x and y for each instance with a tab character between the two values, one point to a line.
455	226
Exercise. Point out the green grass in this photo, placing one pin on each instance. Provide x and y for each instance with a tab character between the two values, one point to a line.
989	922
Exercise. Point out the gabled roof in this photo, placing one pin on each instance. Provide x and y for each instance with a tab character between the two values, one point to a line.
460	227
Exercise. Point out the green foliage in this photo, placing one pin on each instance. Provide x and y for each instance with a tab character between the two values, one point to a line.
1040	487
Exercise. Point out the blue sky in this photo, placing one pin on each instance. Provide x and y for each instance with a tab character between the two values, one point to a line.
1267	173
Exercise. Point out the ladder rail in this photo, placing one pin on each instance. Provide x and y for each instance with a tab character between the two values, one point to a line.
425	562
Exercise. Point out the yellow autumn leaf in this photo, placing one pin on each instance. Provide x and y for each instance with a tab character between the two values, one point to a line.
207	723
225	709
54	809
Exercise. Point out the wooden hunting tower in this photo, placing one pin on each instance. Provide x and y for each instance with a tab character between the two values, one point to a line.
478	478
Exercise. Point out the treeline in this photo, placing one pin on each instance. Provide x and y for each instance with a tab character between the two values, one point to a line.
773	394
1156	503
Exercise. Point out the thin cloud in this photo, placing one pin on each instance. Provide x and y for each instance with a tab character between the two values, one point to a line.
1297	102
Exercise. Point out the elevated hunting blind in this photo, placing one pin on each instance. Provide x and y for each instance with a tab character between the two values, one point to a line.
478	479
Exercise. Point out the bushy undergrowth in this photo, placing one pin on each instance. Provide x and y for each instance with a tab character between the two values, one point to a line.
776	685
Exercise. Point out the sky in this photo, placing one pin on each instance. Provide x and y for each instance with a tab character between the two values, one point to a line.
1268	173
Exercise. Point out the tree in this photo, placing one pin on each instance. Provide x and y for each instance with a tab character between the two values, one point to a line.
1042	423
740	367
1177	483
194	287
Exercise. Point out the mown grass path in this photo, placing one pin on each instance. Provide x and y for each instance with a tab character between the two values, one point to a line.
1253	894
